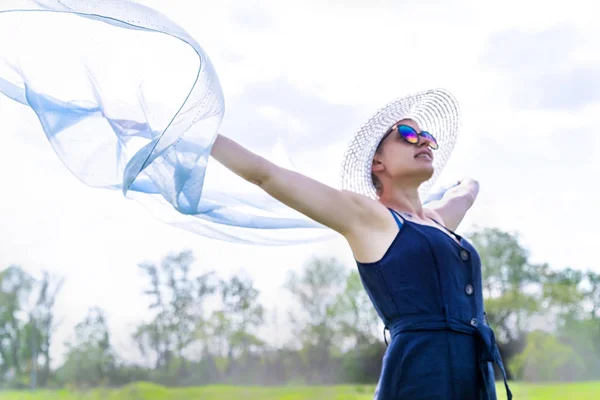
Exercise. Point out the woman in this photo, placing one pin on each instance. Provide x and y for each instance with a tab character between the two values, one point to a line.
423	279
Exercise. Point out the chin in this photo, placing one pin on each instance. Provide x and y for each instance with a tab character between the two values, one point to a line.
426	166
426	173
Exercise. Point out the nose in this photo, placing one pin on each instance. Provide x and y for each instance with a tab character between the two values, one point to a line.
422	141
425	141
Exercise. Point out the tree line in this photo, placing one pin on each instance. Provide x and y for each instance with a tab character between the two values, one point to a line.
206	330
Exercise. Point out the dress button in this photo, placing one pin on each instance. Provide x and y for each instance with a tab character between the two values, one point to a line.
464	255
469	289
474	321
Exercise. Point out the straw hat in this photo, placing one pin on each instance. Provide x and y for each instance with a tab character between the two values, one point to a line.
435	110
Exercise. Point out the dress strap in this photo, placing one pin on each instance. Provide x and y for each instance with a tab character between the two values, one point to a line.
446	229
397	217
437	222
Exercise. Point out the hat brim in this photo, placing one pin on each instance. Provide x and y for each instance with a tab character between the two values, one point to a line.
436	111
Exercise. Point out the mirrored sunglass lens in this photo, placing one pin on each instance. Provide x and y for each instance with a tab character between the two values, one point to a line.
432	142
408	133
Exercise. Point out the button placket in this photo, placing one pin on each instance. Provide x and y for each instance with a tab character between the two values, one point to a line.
469	289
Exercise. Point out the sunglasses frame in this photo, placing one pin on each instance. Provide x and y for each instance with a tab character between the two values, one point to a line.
421	134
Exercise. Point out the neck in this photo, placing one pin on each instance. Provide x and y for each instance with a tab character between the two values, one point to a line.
403	199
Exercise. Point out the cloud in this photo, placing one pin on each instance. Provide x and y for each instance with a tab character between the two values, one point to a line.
530	51
312	75
253	16
570	90
541	68
267	110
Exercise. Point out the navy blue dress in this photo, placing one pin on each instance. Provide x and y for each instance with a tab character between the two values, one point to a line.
427	289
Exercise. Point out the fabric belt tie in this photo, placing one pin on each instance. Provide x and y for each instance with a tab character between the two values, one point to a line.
489	349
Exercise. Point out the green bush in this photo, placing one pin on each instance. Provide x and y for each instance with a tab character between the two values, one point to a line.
546	359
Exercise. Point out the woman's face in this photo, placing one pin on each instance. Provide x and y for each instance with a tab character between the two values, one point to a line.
398	160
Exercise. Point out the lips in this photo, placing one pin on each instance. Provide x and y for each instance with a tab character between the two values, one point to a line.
425	155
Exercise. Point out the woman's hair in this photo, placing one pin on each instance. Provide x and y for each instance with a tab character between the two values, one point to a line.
376	182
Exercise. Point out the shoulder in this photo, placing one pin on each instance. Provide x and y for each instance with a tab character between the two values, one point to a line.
435	215
374	229
369	213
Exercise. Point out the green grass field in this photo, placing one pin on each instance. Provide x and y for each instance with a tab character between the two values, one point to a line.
145	391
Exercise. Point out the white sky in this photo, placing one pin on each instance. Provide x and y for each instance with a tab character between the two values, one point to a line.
527	74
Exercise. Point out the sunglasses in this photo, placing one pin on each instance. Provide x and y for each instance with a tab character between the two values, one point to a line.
410	135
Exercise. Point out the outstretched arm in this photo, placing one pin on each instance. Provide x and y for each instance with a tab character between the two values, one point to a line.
455	203
339	210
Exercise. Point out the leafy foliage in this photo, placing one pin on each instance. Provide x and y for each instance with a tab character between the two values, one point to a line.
204	329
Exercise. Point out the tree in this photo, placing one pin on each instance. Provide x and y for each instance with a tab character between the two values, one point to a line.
26	325
356	317
581	335
235	323
178	301
43	322
574	297
563	295
90	359
545	359
316	290
511	287
15	289
592	293
357	327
